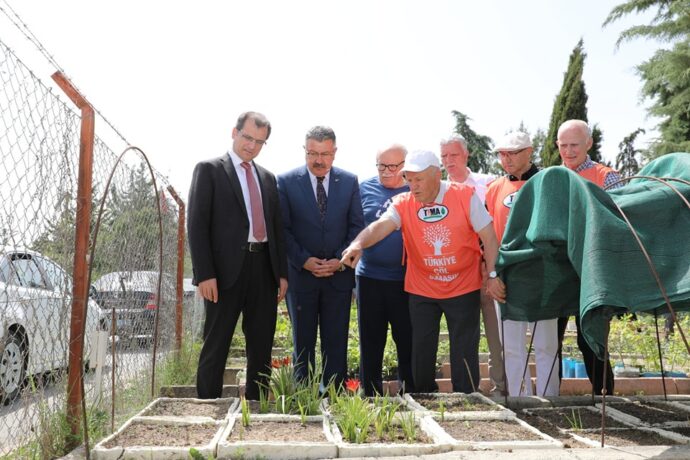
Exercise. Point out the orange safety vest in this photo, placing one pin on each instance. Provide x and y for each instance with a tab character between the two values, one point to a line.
441	246
596	174
499	202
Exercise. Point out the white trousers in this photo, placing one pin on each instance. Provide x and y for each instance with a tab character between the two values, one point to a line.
545	346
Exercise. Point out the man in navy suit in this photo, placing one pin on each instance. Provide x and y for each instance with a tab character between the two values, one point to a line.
321	213
238	255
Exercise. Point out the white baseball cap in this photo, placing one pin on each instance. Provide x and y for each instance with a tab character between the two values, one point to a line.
515	140
419	160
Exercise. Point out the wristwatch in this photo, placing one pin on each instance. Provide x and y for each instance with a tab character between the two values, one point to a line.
492	274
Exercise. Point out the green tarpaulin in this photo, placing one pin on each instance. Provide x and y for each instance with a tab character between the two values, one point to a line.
567	248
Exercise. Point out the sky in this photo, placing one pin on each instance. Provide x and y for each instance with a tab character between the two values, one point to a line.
173	76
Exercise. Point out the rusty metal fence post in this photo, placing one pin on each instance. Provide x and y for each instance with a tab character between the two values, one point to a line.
80	289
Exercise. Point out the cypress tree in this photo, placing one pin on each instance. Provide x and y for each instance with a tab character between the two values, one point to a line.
481	157
570	103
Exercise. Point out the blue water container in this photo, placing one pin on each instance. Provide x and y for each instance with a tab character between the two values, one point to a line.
568	368
580	370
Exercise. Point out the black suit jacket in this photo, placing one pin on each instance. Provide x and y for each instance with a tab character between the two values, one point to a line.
218	224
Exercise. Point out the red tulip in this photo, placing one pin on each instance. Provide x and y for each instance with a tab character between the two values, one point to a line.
276	363
352	385
286	361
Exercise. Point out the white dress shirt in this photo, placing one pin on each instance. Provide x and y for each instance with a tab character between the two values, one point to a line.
242	176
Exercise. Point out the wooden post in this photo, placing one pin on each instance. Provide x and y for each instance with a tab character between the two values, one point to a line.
180	266
80	290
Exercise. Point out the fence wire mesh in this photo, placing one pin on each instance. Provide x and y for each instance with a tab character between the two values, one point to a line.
39	151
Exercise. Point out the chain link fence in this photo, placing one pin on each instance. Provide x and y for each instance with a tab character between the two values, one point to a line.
131	311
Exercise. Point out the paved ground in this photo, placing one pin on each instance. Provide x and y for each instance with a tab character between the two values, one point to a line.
608	453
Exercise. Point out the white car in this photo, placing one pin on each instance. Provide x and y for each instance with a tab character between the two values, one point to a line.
35	315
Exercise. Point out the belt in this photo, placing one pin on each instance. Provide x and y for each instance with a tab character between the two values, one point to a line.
256	247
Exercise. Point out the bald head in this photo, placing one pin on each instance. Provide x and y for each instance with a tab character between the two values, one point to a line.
574	141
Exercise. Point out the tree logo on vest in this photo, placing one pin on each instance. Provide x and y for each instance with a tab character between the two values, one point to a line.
431	214
508	200
437	236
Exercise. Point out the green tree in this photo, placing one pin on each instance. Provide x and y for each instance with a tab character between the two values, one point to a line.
597	138
570	103
626	160
481	157
129	235
672	19
666	75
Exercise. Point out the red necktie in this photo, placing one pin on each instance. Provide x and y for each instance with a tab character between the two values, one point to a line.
258	224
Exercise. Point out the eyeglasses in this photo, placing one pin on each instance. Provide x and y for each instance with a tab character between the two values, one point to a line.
249	138
391	167
502	153
315	155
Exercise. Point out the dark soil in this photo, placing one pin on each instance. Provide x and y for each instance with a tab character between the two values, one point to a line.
559	417
551	430
261	430
145	434
487	430
653	412
216	410
452	403
628	437
684	430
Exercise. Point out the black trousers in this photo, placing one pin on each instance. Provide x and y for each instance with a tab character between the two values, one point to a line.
462	316
255	296
327	311
594	366
379	303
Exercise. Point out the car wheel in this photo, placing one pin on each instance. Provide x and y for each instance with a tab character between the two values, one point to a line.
12	367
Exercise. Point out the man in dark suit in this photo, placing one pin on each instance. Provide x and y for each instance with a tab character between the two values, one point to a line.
321	213
238	255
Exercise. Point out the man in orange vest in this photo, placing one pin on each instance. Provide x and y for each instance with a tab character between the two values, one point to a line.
454	156
574	141
515	151
440	222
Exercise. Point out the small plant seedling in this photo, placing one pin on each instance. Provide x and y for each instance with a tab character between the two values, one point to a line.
245	412
575	420
408	423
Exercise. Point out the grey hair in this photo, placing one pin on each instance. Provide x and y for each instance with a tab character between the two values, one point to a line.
455	138
320	134
392	147
579	123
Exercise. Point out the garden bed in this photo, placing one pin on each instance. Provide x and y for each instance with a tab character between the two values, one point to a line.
474	405
651	413
217	409
278	437
619	437
429	438
151	438
504	432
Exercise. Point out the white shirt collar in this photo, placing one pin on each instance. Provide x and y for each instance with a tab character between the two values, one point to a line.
236	160
326	177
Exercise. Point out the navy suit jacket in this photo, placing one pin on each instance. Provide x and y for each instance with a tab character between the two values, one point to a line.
218	224
306	236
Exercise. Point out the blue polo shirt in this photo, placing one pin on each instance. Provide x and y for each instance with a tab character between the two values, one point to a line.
383	261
